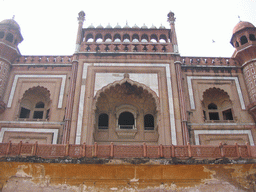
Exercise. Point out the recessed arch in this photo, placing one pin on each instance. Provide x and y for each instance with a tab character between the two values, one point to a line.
216	105
126	38
153	38
132	83
117	37
98	38
35	103
135	38
89	38
144	38
108	37
163	38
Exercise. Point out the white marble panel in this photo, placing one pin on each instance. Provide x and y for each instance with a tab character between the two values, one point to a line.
53	131
148	79
218	132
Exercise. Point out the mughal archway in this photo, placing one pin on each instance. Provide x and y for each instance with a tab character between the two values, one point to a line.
126	105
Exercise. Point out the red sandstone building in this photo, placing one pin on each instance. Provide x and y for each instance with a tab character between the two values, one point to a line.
128	85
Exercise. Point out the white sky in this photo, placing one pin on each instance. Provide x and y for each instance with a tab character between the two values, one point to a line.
49	27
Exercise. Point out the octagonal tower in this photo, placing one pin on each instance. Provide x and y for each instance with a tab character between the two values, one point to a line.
10	37
244	41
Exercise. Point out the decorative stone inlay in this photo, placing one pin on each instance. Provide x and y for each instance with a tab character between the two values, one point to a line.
4	73
126	133
250	80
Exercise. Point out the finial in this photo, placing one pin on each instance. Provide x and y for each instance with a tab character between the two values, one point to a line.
170	17
13	17
126	75
239	18
81	16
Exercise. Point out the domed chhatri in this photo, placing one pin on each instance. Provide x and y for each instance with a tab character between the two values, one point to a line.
11	23
242	25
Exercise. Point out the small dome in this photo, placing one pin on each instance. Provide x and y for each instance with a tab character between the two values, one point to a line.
127	26
10	22
153	27
242	25
99	27
108	26
162	27
144	26
135	26
91	27
117	26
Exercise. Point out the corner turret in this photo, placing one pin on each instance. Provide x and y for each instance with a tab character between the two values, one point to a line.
244	42
10	37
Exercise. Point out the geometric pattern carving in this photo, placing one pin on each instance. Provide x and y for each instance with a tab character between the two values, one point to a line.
250	80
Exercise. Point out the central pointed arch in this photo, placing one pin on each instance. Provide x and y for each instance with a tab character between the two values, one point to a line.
132	83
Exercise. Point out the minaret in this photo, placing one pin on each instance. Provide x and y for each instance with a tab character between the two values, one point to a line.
81	19
10	37
70	99
171	20
244	42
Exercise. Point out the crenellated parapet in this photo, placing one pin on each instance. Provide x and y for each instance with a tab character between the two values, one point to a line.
43	60
208	61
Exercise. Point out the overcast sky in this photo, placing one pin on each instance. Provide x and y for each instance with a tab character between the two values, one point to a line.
49	27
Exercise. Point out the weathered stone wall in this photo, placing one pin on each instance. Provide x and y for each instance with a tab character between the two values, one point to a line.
120	175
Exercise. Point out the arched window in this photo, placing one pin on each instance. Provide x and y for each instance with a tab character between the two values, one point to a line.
149	122
89	38
117	38
243	40
1	34
108	38
162	38
9	37
252	37
98	38
153	38
103	121
213	115
135	38
217	105
35	104
144	38
236	44
126	38
126	120
39	111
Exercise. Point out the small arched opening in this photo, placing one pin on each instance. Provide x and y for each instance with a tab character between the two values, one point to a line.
126	120
103	121
149	122
1	34
9	37
243	40
252	37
